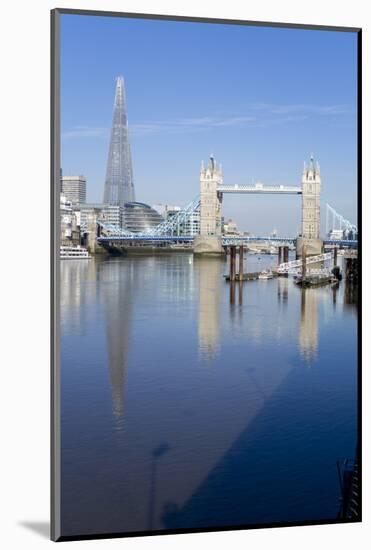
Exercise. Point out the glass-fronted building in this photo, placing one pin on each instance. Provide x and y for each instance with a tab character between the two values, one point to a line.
140	218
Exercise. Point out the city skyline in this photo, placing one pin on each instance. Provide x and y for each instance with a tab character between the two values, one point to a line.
189	102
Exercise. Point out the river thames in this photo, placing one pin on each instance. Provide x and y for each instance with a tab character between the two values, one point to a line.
190	404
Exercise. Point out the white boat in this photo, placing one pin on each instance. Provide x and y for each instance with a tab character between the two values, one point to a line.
265	275
76	252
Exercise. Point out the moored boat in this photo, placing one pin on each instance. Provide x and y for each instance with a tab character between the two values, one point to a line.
76	252
314	280
266	275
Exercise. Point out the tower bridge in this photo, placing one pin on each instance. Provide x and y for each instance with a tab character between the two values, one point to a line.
208	208
212	189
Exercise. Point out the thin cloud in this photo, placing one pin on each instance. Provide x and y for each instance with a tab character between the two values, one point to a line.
197	124
303	108
256	115
311	109
84	132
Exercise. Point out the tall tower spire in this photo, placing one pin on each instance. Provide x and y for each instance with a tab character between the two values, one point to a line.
119	185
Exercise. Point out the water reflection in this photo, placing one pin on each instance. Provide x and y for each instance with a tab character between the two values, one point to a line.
209	285
116	292
78	280
351	296
282	290
201	446
335	290
308	336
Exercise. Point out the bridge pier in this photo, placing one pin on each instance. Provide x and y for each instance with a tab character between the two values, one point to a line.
283	254
208	245
240	264
92	234
351	266
304	262
233	275
232	264
279	255
313	246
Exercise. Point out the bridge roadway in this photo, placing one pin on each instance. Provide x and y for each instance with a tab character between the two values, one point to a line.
226	241
261	189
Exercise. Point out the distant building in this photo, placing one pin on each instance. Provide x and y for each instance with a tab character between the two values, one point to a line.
70	223
74	189
140	218
166	210
336	234
110	214
192	226
352	235
119	185
230	228
189	227
136	217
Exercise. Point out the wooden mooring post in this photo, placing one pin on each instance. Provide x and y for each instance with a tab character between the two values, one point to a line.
232	265
240	264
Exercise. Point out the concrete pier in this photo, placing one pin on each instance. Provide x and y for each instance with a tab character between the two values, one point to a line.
279	255
313	247
232	263
208	245
240	264
304	262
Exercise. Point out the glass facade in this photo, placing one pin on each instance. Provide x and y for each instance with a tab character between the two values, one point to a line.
119	186
140	217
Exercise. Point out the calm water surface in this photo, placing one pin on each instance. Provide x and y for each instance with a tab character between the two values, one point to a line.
189	404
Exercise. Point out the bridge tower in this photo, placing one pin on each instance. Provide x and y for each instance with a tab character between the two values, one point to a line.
210	199
310	218
209	240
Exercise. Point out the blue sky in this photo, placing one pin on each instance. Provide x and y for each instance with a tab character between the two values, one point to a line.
260	99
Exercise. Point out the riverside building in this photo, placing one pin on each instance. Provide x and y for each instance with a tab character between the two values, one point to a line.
107	213
74	189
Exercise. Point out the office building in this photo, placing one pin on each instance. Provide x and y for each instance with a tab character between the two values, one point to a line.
74	189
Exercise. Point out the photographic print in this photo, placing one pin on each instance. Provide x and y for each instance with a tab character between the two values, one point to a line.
205	187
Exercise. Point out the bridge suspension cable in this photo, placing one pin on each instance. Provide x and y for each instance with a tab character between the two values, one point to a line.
335	221
173	225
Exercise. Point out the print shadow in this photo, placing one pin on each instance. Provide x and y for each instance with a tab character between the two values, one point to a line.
270	473
41	528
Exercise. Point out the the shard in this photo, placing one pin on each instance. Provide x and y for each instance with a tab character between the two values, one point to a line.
119	186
